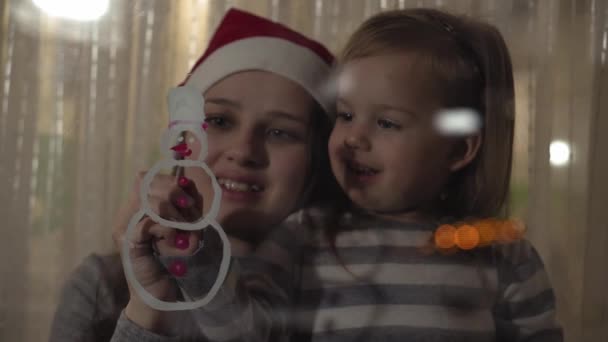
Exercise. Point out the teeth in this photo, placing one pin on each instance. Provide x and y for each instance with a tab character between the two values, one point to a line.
238	186
360	169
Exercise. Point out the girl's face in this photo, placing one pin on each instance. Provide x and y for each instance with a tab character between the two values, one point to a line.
258	148
384	150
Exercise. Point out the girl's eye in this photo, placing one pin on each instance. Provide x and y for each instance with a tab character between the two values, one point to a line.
180	139
387	124
344	116
217	121
190	140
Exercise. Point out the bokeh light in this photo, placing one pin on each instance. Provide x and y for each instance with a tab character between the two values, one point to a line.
74	9
444	236
457	121
511	230
466	237
479	233
487	231
559	153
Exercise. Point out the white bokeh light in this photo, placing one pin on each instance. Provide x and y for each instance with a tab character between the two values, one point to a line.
81	10
457	121
559	153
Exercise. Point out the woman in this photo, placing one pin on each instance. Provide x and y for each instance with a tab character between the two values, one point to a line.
267	131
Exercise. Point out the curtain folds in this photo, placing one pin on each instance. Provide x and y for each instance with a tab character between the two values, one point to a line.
82	107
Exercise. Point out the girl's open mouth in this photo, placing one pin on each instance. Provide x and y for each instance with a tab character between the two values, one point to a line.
360	172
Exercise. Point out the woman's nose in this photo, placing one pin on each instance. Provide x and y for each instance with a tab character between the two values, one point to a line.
247	149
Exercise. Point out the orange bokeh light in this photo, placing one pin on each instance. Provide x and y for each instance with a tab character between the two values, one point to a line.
511	230
467	237
480	233
444	236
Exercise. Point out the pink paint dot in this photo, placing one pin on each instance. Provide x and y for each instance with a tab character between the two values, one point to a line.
205	125
182	240
183	181
178	268
183	202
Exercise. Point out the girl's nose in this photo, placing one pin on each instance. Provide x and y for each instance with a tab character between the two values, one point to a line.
357	140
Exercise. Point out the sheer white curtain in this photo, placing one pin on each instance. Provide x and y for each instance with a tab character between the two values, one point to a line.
82	106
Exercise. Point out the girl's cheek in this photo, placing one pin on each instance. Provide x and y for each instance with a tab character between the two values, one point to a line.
334	143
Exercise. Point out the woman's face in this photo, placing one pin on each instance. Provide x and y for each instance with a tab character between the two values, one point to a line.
259	146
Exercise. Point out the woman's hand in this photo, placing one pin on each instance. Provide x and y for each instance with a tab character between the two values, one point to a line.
172	199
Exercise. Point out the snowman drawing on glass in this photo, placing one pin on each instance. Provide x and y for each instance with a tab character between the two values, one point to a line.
186	110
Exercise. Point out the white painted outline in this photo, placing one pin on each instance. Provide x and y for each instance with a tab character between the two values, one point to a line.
158	304
165	164
184	103
172	133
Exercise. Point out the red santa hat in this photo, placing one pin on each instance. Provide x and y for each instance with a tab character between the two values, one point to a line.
244	41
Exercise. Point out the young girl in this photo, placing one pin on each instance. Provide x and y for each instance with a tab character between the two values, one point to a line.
368	275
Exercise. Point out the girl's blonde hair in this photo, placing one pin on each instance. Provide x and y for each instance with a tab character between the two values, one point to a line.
467	64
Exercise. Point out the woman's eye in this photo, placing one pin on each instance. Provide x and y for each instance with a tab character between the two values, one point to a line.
344	116
383	123
278	133
217	121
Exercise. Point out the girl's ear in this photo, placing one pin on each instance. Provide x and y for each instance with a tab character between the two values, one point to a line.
465	151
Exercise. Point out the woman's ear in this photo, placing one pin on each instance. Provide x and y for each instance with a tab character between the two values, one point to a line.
465	151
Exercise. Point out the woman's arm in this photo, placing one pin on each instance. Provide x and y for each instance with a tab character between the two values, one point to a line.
90	301
254	302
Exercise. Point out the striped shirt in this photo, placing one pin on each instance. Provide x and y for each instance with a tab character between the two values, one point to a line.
380	283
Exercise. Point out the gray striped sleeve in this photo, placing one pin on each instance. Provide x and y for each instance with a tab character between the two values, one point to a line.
91	301
129	331
525	310
74	317
254	300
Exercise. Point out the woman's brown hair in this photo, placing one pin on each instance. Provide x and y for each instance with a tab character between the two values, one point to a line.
467	64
